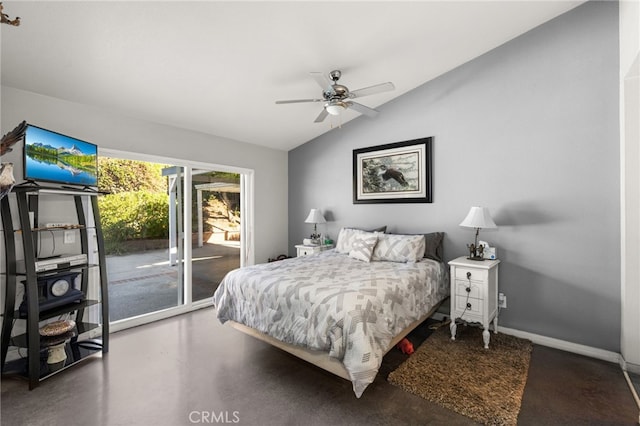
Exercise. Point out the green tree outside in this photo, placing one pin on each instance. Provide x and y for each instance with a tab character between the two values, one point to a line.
137	206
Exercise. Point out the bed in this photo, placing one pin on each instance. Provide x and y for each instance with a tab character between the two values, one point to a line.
341	309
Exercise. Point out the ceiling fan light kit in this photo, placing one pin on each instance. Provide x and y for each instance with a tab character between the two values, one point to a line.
336	97
335	108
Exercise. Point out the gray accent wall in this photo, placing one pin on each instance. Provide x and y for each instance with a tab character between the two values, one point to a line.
529	130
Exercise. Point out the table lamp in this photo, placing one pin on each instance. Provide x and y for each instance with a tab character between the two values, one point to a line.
315	217
478	217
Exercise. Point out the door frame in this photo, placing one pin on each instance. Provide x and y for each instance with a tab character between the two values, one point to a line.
247	255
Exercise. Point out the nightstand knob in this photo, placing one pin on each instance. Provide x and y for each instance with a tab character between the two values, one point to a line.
469	305
468	289
468	275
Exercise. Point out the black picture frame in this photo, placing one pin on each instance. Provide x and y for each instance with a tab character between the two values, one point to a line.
399	172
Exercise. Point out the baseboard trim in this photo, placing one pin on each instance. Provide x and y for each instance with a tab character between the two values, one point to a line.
13	353
627	366
576	348
440	316
558	344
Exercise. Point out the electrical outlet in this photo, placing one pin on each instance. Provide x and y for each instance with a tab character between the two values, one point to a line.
502	301
69	237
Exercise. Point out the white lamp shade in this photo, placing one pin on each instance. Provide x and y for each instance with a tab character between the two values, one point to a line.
479	217
315	217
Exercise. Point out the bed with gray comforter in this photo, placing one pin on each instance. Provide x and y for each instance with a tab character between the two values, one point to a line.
334	302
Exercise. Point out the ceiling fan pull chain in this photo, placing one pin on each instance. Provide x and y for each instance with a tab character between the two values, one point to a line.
339	118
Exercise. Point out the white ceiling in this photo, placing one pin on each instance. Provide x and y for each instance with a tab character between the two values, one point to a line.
218	67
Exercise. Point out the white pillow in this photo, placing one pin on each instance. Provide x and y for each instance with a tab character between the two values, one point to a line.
346	237
362	247
399	248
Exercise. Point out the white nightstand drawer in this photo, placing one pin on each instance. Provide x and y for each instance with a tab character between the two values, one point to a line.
472	274
309	250
305	251
473	306
475	289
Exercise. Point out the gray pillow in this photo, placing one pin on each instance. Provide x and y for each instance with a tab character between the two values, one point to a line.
380	229
433	246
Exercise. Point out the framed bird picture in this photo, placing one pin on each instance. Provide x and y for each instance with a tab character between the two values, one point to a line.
393	173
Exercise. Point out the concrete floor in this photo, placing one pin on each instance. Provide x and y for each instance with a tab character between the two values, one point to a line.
191	369
144	282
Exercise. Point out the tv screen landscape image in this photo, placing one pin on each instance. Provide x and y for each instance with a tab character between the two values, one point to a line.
52	157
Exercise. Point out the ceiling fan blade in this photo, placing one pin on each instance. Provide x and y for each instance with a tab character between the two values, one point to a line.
297	101
366	91
362	109
321	79
320	118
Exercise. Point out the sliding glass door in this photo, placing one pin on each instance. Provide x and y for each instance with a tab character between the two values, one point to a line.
216	229
172	232
135	221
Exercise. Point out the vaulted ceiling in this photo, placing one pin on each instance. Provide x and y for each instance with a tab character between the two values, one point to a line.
219	67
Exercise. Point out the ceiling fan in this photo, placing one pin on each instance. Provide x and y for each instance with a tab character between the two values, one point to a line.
337	97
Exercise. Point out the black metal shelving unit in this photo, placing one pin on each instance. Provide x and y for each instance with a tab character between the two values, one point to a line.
78	348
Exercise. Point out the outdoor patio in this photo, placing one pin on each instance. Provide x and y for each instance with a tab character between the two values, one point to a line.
145	281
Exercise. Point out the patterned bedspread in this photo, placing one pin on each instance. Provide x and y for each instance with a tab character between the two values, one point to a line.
334	303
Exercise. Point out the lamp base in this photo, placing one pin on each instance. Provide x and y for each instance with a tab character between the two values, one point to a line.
476	251
477	258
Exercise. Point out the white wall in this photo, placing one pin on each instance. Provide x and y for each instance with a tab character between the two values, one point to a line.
529	130
630	179
117	132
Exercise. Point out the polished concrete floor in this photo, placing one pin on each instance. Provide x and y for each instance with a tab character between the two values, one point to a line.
192	370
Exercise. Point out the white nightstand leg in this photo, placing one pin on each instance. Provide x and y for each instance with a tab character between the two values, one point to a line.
453	328
486	336
495	325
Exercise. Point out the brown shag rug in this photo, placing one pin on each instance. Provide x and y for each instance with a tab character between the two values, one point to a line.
483	384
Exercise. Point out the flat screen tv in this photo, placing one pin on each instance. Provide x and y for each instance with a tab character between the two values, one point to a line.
52	157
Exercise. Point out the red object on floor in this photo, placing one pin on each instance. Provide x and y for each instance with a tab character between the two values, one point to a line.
405	346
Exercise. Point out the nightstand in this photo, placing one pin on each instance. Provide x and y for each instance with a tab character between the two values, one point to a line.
307	250
474	294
